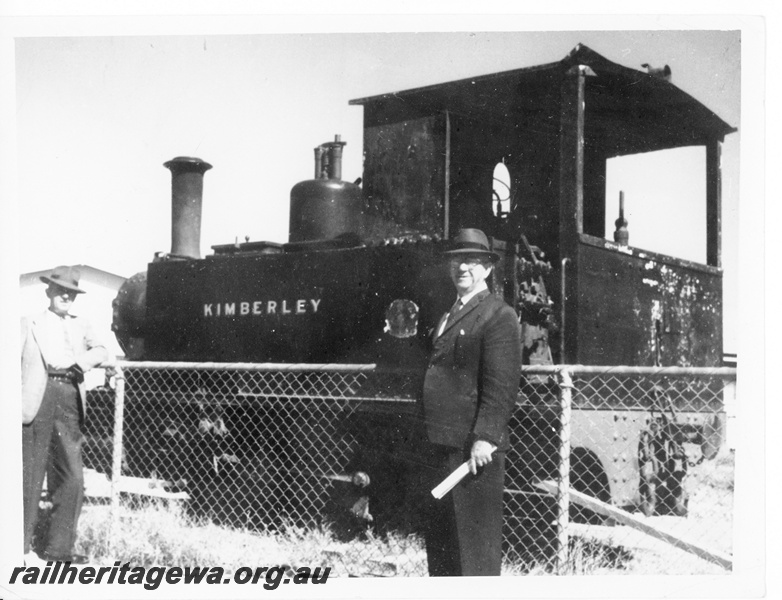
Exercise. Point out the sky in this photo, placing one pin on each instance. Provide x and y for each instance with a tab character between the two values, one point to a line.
94	103
97	116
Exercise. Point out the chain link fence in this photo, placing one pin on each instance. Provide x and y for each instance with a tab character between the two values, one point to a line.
646	446
322	463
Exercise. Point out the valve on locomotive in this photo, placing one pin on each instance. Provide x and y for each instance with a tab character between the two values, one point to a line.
325	207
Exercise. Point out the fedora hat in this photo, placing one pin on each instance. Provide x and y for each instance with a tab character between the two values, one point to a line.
471	241
65	277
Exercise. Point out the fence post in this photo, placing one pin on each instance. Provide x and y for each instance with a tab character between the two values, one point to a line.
563	486
116	457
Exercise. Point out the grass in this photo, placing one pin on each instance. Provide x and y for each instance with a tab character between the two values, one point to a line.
585	557
161	533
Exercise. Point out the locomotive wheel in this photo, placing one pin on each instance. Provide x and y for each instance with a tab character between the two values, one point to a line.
713	436
588	476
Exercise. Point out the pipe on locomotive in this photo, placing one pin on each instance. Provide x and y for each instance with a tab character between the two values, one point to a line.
187	188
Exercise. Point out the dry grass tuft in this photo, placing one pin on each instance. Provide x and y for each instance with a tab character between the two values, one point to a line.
162	534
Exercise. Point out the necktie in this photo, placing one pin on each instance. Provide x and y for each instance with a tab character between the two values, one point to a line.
451	313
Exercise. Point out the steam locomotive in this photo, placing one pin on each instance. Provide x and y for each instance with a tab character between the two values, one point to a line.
360	279
429	162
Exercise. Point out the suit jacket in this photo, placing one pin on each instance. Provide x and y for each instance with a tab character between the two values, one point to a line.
89	353
472	382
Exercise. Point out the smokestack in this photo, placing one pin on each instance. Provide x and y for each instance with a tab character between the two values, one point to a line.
187	188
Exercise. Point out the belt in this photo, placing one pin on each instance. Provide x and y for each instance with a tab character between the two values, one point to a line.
61	376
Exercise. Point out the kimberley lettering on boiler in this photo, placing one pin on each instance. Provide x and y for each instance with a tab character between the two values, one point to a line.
262	307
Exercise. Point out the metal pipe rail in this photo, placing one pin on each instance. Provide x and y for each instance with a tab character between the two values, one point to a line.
221	366
621	371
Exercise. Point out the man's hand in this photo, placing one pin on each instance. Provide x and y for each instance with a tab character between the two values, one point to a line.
480	455
76	372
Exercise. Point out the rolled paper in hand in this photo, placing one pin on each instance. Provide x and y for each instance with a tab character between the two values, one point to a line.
450	482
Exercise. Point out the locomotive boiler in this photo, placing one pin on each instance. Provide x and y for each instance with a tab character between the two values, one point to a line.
360	279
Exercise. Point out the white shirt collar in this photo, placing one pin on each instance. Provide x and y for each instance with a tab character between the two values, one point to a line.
467	297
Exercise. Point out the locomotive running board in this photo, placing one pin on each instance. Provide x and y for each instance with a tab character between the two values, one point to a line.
625	518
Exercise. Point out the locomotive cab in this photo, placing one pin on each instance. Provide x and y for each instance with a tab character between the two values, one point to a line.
431	155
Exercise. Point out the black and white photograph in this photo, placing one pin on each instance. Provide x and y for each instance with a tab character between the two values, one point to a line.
402	302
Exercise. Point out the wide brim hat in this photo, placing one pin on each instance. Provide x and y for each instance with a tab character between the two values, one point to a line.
64	277
471	241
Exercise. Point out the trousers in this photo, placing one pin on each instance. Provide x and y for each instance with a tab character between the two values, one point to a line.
51	448
463	530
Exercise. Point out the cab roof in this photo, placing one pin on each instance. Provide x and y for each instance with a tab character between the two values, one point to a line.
666	115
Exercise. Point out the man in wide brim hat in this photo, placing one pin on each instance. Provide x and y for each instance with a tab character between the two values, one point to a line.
64	277
57	349
470	242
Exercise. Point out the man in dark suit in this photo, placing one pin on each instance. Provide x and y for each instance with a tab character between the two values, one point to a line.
57	348
469	394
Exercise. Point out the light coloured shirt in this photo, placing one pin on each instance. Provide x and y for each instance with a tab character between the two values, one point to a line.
59	341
